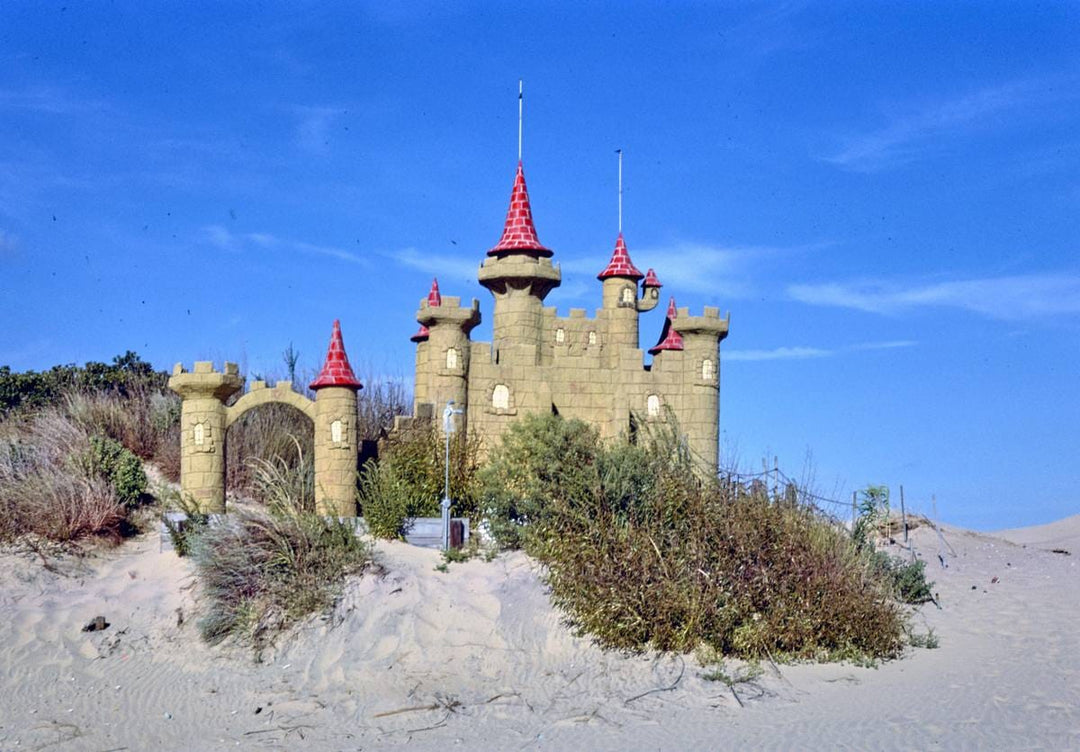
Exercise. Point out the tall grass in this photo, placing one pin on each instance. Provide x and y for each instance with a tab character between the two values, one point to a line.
262	569
49	484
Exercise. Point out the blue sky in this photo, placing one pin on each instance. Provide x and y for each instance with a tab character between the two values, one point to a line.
886	196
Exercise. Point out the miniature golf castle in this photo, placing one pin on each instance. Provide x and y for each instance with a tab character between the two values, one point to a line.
576	366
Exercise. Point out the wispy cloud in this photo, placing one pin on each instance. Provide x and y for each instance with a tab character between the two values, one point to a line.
805	353
226	240
437	264
313	127
778	353
912	133
693	267
1007	298
49	100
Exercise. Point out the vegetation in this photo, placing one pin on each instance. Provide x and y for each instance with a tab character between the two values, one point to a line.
641	552
408	480
262	569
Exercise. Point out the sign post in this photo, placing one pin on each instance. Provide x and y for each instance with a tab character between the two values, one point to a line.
448	428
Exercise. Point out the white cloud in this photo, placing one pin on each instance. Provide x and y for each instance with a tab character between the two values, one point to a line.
804	353
910	134
48	100
778	353
1006	298
439	265
692	267
226	240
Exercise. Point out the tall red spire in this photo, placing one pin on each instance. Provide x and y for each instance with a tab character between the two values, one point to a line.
620	264
434	299
669	338
336	370
519	234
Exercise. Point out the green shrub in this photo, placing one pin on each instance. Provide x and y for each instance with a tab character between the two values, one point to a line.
540	460
118	467
642	552
408	480
906	579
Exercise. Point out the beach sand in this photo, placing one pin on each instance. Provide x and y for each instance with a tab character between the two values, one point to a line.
476	658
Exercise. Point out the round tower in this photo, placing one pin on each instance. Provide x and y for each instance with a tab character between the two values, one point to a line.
445	371
335	431
519	273
202	430
620	301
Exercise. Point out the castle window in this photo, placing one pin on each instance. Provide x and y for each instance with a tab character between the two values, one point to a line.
335	432
592	338
652	406
199	434
560	335
628	295
707	369
500	397
452	358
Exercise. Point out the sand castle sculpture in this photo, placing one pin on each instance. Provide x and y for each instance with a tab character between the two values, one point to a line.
577	367
205	417
538	362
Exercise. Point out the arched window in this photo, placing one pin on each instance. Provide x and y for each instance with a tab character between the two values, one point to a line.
592	338
560	335
628	295
199	434
652	406
452	358
335	432
500	397
707	369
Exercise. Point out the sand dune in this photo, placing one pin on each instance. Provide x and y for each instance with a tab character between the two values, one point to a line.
475	658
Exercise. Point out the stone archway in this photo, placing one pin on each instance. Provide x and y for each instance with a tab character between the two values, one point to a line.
204	418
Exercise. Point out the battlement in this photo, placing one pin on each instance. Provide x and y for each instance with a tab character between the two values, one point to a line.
280	386
207	366
449	311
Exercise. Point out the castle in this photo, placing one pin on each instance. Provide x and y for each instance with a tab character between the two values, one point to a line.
577	367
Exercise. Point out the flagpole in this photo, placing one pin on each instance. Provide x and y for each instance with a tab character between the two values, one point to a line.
521	98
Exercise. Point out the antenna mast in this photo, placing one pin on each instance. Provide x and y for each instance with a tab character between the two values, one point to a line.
521	99
619	152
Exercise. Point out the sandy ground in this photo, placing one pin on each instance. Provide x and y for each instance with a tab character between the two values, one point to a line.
475	658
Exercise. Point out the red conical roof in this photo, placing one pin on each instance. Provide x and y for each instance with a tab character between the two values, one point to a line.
669	338
420	336
651	280
620	264
519	234
336	370
434	299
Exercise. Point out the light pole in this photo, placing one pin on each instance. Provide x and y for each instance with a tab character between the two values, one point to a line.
448	428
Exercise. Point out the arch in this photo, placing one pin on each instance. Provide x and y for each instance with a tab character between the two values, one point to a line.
261	395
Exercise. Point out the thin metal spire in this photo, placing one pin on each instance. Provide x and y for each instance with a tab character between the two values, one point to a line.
619	152
521	100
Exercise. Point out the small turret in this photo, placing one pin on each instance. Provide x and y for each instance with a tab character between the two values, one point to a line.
670	339
650	292
335	431
442	368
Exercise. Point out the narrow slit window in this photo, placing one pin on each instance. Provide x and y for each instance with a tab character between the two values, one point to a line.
708	370
452	358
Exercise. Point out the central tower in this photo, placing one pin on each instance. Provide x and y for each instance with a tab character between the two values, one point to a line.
519	273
